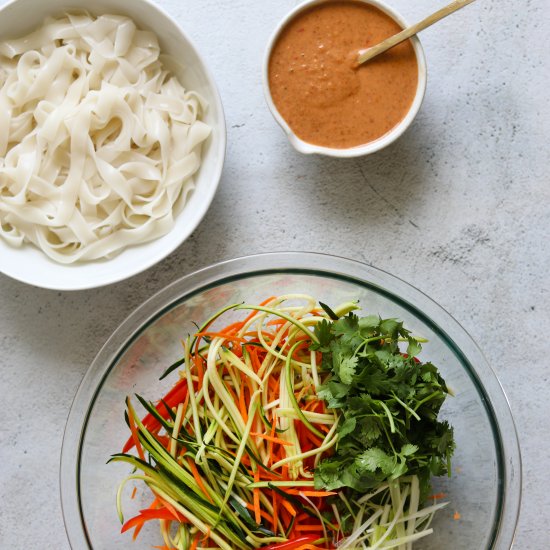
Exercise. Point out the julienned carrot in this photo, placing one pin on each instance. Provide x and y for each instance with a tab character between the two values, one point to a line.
195	542
275	516
271	438
256	363
233	327
198	478
307	493
291	510
263	514
199	365
172	510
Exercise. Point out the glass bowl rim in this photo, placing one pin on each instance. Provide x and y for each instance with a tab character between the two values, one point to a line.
482	375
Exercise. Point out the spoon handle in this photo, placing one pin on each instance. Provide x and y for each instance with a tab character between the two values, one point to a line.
369	53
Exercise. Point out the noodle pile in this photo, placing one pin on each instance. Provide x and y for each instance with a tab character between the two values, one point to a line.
99	142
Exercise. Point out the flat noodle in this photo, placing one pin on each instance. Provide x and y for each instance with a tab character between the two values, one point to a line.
99	142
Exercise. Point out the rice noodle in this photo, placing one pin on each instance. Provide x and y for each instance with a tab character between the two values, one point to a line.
99	142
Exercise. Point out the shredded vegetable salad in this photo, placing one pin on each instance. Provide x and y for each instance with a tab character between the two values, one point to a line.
296	427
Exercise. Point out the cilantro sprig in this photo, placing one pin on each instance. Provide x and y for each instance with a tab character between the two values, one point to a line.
389	403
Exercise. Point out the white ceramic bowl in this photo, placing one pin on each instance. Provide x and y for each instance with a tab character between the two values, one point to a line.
372	146
30	265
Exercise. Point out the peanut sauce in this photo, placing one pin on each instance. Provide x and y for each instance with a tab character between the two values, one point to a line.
318	89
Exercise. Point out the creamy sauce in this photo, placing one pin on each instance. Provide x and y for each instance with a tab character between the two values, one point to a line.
316	88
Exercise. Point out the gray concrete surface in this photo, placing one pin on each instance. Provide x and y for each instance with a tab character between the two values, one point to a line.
459	207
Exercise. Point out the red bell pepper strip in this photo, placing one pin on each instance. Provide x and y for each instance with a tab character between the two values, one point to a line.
173	398
149	514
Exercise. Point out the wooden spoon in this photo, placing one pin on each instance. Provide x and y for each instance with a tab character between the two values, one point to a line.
369	53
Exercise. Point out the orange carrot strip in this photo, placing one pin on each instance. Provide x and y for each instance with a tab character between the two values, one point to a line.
303	517
265	475
185	403
137	530
256	364
133	495
271	438
291	510
206	535
198	478
299	348
176	515
237	350
275	517
233	327
276	322
195	543
199	365
243	411
263	513
312	404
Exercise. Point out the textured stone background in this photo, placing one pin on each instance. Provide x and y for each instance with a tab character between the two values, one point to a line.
459	207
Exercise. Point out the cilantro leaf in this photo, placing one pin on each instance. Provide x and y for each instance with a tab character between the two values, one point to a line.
373	459
347	427
323	333
346	369
389	402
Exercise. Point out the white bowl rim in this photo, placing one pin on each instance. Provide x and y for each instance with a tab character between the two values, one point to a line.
33	277
371	146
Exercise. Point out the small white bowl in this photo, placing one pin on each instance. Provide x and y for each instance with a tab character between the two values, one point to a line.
30	265
371	146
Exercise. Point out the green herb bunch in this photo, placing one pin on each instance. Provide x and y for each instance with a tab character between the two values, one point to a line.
389	403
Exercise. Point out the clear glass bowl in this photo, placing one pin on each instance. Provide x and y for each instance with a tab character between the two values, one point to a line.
485	488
